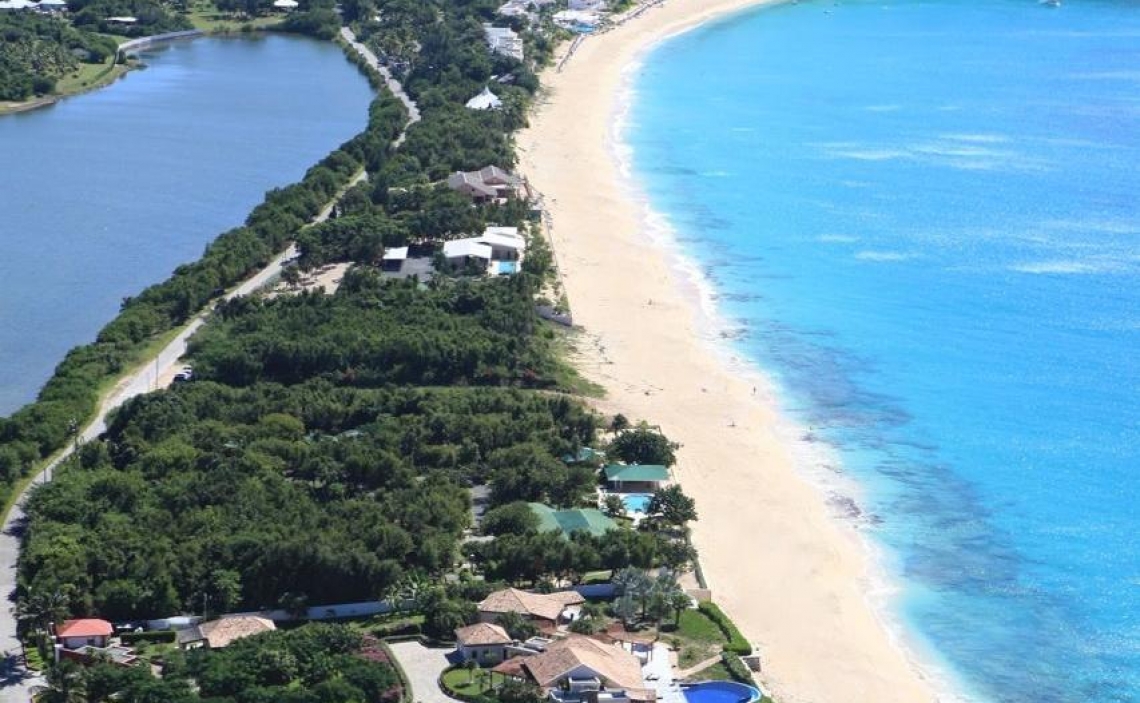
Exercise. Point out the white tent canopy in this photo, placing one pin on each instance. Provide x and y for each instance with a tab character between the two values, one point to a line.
485	101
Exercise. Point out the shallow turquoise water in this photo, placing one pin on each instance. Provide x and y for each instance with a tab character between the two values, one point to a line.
924	217
105	193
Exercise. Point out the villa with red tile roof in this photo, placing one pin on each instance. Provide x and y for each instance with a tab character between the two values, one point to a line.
85	632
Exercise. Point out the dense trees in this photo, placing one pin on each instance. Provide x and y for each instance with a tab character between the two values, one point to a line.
375	332
312	664
36	50
643	445
254	496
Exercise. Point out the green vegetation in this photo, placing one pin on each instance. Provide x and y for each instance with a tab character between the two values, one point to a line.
152	17
36	52
643	445
736	642
312	664
736	668
231	17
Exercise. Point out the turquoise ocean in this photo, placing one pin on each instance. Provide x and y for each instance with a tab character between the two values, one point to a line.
922	220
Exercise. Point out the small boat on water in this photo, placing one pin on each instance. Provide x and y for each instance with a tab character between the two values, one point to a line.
1051	3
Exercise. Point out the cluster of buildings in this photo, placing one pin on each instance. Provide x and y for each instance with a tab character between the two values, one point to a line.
44	6
567	666
89	639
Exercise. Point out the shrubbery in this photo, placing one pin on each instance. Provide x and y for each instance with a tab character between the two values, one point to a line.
736	642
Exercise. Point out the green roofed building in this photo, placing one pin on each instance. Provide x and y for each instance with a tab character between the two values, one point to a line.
644	478
572	520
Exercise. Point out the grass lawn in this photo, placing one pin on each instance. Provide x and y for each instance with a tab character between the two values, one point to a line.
697	637
88	76
206	16
716	672
468	683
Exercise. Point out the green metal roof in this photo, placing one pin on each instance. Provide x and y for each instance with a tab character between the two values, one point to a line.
636	472
573	520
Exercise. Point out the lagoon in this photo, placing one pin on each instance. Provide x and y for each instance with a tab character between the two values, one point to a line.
106	193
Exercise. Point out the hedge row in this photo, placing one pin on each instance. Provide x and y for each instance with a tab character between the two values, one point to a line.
736	642
149	636
737	669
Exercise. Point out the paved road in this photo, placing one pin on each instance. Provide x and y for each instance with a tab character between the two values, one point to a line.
422	665
15	682
393	84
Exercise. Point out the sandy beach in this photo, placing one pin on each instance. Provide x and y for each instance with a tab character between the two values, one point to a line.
796	578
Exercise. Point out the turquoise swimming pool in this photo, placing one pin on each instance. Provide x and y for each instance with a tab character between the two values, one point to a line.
636	502
508	267
722	692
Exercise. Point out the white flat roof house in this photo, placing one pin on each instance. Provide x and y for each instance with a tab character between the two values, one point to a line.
506	243
504	41
458	250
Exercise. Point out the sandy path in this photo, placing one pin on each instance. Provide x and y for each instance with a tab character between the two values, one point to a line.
794	577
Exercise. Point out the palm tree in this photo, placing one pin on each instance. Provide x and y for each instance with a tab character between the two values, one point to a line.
64	683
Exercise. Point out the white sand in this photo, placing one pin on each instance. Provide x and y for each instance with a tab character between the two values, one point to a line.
794	577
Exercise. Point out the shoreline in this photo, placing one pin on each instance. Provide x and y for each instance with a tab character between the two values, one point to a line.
116	72
820	625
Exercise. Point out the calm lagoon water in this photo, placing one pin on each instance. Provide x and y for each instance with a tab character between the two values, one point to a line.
924	216
105	193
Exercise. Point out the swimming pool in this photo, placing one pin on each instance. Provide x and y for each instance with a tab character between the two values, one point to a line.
721	692
508	267
636	502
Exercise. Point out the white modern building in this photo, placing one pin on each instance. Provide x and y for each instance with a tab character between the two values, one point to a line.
504	41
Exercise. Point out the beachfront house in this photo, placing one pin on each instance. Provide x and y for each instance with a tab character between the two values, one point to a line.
488	184
635	478
485	100
84	632
461	253
499	250
579	668
506	243
485	643
572	520
577	20
504	41
587	5
218	634
544	609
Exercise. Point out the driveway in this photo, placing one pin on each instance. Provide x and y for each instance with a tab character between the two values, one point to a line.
422	665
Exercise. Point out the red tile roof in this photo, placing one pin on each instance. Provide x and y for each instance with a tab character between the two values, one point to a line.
85	627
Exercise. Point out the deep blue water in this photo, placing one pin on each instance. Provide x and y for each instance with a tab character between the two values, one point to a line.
926	218
106	193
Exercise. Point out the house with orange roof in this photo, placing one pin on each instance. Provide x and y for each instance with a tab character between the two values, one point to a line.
84	632
483	642
542	608
582	668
